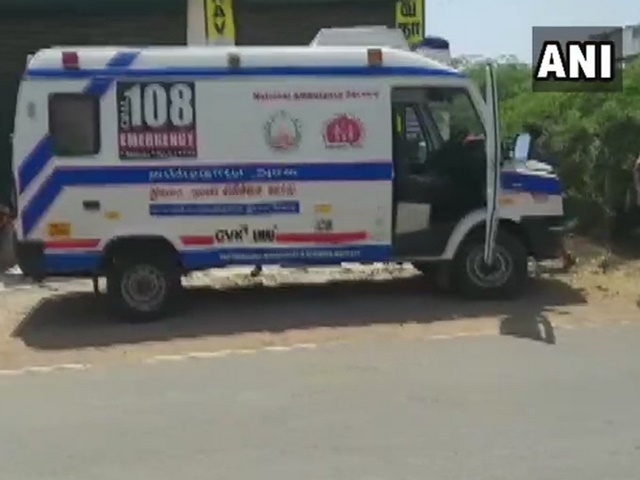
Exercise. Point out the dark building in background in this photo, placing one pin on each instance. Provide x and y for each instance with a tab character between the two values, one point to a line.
296	23
29	25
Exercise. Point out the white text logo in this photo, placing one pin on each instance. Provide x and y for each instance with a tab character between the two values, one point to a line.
578	61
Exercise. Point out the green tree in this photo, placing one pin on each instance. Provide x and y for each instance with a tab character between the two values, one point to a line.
594	136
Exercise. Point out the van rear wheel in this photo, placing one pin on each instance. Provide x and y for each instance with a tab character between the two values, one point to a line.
142	288
503	280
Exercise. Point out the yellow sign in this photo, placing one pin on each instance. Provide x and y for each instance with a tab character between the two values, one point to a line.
410	19
59	230
322	208
219	22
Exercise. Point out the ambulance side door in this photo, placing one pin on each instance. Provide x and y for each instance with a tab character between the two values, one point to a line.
414	184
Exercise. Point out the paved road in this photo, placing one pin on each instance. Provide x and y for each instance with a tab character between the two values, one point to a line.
468	408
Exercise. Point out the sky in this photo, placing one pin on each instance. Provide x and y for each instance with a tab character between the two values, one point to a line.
502	27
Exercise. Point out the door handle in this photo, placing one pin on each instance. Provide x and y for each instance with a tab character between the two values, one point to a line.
91	205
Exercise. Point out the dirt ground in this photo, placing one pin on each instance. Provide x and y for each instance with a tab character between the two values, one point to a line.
62	322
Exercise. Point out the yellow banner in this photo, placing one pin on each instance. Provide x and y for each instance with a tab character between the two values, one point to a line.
220	23
410	19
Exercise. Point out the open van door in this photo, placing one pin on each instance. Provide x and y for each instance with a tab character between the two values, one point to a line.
494	157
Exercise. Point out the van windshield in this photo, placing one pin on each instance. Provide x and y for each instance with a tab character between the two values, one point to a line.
455	114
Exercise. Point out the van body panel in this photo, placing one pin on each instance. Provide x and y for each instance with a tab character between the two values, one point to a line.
234	155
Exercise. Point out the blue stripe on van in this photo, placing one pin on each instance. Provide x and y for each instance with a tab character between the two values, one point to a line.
530	183
38	206
42	153
63	177
69	263
114	72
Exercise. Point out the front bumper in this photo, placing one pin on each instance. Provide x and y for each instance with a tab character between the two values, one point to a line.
544	236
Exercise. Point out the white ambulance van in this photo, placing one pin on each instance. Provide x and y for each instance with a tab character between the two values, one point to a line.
143	164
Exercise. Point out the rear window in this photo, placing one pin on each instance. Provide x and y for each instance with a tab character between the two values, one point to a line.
74	124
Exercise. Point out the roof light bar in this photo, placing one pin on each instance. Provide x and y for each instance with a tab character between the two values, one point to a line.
70	60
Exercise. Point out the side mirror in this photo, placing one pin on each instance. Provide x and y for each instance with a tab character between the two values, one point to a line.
522	147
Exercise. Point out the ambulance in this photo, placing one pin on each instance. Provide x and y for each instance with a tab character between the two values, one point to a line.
143	164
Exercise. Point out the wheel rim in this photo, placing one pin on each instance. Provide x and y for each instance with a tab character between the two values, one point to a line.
489	276
144	288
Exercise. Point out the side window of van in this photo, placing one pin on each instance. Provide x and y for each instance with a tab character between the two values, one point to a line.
74	124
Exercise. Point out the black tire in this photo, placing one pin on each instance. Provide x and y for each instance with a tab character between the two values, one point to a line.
436	275
126	274
472	278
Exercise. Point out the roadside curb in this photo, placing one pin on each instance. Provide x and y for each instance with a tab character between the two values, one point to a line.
44	369
156	359
227	353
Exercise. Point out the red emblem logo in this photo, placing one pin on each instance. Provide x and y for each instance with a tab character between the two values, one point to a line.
343	131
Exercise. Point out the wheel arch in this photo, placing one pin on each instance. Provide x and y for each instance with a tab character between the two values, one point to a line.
134	243
474	223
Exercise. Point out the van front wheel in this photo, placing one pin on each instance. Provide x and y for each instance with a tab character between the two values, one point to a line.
503	280
142	289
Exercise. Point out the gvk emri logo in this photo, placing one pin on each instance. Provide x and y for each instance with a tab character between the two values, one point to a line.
576	59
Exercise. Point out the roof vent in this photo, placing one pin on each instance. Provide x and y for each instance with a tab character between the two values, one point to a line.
368	36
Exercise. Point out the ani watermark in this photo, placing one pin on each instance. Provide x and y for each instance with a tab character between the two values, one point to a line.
577	59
